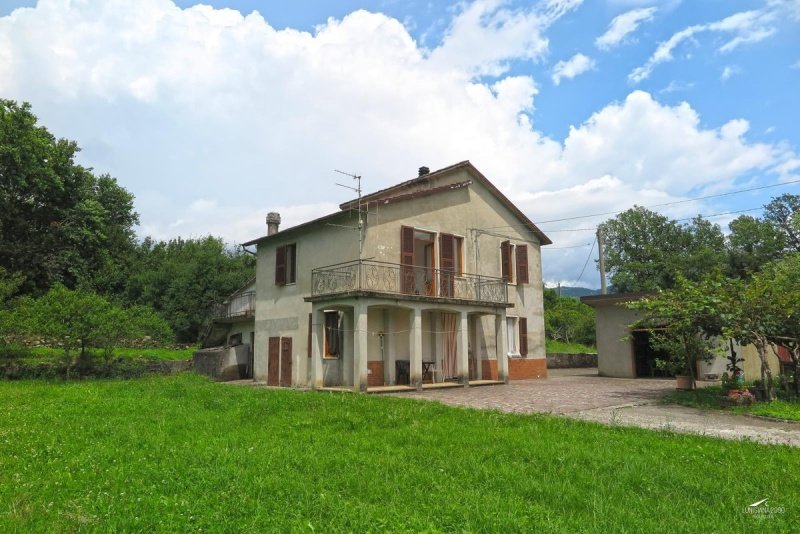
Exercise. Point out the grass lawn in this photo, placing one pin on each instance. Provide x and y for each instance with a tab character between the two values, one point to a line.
569	348
708	397
51	353
181	453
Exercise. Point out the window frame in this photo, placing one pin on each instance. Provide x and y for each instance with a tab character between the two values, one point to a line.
286	265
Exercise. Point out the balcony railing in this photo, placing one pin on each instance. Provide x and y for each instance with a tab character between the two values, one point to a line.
391	278
242	305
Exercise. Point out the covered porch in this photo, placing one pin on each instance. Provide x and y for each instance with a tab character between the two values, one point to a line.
377	344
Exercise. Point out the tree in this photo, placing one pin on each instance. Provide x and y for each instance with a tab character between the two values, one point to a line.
58	222
781	212
568	319
182	278
78	319
685	321
646	251
753	243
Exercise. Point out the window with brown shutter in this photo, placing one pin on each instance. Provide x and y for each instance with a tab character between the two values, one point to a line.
407	281
523	336
280	266
447	254
505	261
522	264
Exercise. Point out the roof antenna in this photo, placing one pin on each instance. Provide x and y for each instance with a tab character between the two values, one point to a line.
360	220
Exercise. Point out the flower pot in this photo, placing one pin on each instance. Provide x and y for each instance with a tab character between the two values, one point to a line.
683	382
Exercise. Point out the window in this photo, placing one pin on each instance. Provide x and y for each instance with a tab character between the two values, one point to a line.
511	336
505	261
514	261
522	264
285	265
458	256
333	334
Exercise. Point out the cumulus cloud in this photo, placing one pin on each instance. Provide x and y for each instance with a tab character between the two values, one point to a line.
622	26
745	27
574	66
213	118
729	71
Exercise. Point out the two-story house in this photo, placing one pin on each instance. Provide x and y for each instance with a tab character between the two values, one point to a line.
442	282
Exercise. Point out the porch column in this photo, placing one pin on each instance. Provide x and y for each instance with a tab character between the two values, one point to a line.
415	346
388	347
476	346
500	343
462	362
317	338
360	375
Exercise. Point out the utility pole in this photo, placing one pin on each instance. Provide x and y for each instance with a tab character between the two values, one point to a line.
602	262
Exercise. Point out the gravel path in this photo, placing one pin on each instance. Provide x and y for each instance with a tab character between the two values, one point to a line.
582	394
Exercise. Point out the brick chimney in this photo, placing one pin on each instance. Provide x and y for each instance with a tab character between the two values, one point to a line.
273	221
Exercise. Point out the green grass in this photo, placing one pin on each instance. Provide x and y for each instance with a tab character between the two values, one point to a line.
708	398
182	453
53	353
568	348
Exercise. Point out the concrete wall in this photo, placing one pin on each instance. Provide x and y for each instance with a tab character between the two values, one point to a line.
557	360
222	363
752	363
615	354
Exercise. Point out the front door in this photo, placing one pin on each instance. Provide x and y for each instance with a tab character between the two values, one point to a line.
273	360
286	362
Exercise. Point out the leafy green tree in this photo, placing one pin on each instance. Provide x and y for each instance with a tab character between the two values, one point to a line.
182	278
646	251
781	213
568	319
58	222
753	243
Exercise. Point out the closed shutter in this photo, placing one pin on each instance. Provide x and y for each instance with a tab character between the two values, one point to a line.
286	362
522	264
523	336
280	266
273	360
505	260
310	317
407	259
447	252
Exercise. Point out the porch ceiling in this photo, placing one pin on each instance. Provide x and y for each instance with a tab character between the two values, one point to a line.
407	298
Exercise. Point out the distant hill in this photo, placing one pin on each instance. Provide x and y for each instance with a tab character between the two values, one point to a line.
577	292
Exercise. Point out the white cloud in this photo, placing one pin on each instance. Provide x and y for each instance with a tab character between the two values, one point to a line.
574	66
212	118
728	71
675	86
746	27
622	26
795	65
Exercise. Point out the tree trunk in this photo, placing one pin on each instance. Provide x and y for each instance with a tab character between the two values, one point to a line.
690	362
766	373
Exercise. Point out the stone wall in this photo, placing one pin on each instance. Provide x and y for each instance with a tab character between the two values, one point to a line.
223	363
558	360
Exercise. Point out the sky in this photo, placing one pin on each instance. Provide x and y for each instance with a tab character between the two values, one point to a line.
214	114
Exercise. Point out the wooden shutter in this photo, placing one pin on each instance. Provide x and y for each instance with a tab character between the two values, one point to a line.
523	336
407	259
505	260
273	360
280	266
447	254
286	361
310	321
522	264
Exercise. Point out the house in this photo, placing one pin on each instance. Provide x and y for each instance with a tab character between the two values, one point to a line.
436	279
626	353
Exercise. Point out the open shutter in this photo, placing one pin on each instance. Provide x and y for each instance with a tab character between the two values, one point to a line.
286	362
273	360
523	336
407	259
310	317
505	260
447	254
280	266
522	264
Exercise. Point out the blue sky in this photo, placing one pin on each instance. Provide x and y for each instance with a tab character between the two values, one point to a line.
212	118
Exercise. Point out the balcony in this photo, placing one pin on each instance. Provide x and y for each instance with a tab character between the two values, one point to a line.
380	278
241	306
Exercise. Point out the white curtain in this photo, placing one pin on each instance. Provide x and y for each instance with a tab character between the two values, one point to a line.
450	323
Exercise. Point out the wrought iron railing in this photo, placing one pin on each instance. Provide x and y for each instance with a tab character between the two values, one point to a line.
242	305
392	278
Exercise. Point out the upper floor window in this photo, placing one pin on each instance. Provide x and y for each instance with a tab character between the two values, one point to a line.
514	261
286	264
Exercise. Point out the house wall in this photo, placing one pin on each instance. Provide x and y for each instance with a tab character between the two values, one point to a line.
752	363
281	310
614	354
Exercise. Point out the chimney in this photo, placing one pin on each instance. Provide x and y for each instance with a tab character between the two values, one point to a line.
423	171
273	221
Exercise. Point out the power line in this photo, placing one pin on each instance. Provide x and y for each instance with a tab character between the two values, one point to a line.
587	260
561	248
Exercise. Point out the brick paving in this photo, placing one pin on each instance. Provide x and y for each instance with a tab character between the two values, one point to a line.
582	394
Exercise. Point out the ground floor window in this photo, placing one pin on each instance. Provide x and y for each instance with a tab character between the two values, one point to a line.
511	336
333	334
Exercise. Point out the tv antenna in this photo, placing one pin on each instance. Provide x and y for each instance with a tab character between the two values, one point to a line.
360	226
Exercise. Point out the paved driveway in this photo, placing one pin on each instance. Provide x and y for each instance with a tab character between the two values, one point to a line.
582	394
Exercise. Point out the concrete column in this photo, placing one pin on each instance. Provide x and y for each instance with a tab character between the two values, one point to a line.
415	346
389	347
346	363
476	346
462	358
317	339
360	374
500	343
437	338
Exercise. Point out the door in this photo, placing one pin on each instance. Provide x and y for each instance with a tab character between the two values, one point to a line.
273	361
286	362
